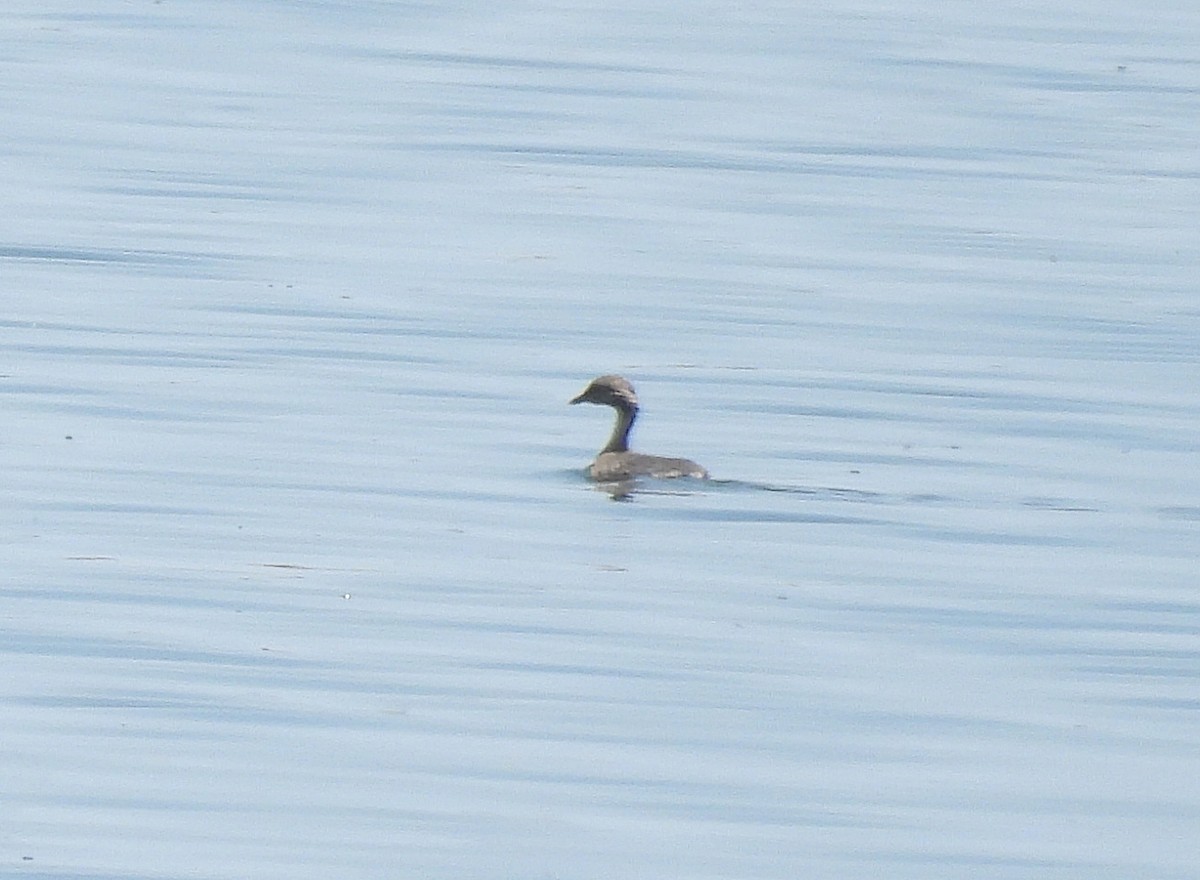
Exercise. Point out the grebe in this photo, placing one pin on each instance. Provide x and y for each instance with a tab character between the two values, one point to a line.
615	462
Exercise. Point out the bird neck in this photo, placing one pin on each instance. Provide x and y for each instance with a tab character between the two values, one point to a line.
619	441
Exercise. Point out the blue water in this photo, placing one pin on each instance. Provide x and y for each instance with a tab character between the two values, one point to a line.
302	574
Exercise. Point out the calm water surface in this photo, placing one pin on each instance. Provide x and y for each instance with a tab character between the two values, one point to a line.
302	576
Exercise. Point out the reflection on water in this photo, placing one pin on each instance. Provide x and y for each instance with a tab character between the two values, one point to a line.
301	556
626	490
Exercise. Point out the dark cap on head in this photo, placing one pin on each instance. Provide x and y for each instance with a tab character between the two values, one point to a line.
609	390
